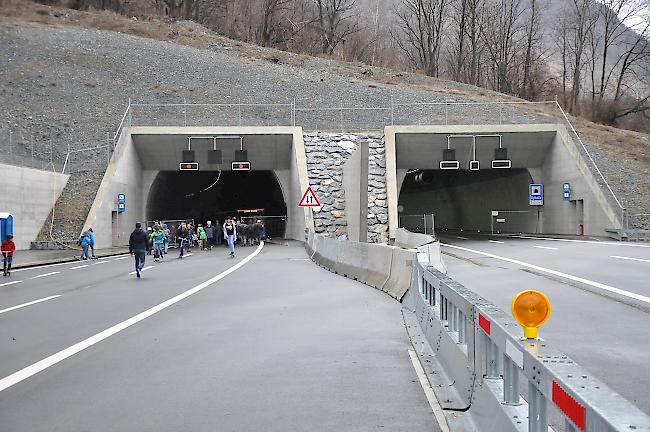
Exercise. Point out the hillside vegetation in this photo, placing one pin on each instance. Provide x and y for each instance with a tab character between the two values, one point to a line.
69	74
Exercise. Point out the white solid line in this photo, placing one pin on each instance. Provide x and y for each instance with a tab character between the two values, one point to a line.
630	259
46	274
560	274
29	304
120	258
78	267
41	365
428	392
545	247
496	241
10	283
146	268
605	243
41	267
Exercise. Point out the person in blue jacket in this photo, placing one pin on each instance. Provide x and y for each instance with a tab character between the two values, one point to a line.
91	236
84	241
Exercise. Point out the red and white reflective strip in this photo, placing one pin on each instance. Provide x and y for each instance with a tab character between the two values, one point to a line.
569	406
484	323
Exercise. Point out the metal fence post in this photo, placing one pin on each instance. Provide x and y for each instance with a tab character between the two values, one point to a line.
446	113
185	112
130	114
341	116
293	112
392	112
510	382
491	358
537	419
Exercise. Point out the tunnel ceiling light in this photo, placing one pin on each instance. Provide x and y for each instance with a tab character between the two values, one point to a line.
501	160
449	161
531	309
188	166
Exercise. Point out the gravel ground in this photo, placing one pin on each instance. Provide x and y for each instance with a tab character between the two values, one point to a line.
69	86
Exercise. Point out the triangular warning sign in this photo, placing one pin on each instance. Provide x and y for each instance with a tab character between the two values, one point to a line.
309	199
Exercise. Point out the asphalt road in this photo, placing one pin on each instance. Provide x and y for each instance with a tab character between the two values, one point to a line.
278	344
607	332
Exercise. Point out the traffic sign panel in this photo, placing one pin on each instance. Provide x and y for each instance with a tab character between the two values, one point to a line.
188	166
241	166
309	199
536	194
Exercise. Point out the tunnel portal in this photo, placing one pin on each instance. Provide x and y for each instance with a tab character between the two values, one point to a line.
464	200
215	195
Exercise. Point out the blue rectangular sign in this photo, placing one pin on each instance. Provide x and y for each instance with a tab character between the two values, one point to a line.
121	207
536	194
121	198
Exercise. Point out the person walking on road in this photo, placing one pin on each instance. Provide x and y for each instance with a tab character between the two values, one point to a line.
91	236
230	233
209	234
203	238
8	248
218	233
84	242
138	247
158	243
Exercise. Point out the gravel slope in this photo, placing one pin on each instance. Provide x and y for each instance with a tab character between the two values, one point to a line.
70	86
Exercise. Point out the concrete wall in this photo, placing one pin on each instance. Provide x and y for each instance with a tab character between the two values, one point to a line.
123	175
29	194
355	186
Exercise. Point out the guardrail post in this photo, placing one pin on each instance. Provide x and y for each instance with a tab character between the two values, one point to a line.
462	330
492	358
537	419
510	381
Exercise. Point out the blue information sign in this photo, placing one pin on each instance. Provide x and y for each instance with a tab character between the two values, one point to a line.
536	194
121	198
566	191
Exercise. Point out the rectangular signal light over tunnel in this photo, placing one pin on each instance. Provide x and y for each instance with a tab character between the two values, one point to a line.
188	166
241	166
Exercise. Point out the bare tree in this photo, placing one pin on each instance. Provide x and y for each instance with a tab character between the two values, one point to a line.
582	18
336	21
420	25
534	52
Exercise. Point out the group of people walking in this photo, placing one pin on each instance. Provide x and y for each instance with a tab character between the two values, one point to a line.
185	236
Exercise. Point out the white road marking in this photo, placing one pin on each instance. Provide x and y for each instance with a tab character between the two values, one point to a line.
101	262
462	238
10	283
187	255
630	259
605	243
144	269
496	241
120	258
78	267
41	365
428	392
560	274
46	274
29	303
40	267
545	247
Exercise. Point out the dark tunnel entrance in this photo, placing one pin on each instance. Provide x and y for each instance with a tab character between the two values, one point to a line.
462	200
214	195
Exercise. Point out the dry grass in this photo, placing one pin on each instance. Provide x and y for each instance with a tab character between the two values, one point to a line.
633	147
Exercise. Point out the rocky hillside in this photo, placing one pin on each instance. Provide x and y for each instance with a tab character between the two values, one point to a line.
67	76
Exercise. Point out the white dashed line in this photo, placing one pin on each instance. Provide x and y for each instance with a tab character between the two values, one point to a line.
120	258
101	262
46	274
29	303
10	283
462	238
545	247
146	268
78	267
41	365
602	286
630	259
496	241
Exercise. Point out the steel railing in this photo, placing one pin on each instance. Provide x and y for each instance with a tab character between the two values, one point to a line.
477	361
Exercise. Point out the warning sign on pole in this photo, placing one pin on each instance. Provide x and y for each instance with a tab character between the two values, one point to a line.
309	199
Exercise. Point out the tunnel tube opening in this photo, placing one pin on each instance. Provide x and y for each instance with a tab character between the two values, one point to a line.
466	201
214	195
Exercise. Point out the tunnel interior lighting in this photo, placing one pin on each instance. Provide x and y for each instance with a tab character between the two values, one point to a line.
241	166
188	166
531	309
474	165
501	160
449	161
215	157
189	156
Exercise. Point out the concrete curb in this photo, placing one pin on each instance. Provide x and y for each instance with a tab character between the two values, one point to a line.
65	260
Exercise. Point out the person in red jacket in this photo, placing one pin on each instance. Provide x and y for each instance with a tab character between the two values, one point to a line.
8	247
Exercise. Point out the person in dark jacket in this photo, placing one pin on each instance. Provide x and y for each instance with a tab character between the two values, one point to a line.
138	247
209	232
218	233
182	236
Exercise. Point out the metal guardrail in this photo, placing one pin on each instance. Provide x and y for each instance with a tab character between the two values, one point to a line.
475	359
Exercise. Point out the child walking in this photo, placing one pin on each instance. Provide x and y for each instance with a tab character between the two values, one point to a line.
8	247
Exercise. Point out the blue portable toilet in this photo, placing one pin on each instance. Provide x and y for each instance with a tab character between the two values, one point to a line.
6	225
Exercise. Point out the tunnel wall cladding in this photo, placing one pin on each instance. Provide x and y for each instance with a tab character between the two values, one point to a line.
326	155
